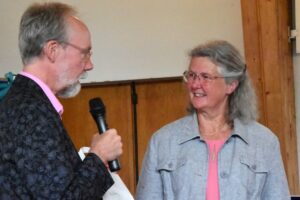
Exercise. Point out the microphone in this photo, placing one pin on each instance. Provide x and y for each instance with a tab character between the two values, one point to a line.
97	109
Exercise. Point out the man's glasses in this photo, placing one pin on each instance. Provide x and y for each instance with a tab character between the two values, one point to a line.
86	52
190	76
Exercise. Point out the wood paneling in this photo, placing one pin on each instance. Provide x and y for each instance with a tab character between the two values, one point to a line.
269	60
81	125
158	104
253	56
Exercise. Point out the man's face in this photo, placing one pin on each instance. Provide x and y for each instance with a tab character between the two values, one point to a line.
75	60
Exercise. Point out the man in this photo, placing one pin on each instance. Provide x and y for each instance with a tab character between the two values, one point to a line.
37	158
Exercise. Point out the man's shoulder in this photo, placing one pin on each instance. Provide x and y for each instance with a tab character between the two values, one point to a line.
24	97
24	91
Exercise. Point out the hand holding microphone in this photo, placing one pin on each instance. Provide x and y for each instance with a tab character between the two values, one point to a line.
108	144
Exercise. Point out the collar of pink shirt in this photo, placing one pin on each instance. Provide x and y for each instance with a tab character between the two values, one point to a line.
54	101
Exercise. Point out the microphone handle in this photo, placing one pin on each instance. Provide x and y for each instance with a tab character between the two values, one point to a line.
114	165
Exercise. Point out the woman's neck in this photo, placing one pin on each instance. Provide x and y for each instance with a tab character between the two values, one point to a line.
214	128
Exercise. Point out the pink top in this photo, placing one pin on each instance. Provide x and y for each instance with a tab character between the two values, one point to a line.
212	190
54	101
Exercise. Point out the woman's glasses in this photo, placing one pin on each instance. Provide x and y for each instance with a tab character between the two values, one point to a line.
190	76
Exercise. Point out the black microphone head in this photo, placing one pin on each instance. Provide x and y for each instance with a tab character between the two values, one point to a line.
97	107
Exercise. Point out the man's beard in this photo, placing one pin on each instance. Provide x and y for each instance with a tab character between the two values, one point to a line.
73	89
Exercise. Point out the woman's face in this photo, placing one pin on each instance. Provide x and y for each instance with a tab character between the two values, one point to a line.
208	91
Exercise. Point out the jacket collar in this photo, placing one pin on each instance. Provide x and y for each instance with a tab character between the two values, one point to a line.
191	129
240	130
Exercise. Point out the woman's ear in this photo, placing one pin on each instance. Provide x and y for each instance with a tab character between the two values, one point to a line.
232	86
50	50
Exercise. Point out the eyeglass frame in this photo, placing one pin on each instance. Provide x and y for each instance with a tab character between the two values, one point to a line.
86	52
202	76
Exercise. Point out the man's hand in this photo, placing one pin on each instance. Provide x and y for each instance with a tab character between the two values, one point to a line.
108	145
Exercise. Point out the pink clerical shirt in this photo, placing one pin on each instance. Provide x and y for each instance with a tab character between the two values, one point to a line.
54	101
212	190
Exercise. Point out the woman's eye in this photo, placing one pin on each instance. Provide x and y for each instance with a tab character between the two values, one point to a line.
192	75
205	76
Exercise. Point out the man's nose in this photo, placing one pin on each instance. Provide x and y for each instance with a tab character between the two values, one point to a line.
89	65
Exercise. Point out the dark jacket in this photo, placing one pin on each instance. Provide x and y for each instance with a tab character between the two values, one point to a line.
37	158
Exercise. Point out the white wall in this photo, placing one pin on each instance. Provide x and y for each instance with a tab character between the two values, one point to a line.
134	39
296	61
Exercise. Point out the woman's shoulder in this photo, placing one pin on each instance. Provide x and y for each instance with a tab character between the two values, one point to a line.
258	131
175	126
166	139
173	130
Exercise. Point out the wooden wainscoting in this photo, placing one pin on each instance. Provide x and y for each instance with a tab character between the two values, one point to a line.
81	125
158	102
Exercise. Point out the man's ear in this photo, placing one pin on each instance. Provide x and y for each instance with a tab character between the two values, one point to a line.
232	86
51	50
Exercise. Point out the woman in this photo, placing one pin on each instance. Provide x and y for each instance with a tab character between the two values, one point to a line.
218	151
